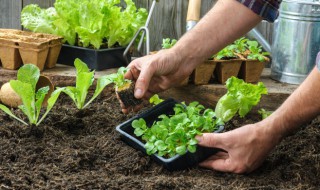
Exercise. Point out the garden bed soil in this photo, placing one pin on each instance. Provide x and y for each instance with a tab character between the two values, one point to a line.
75	149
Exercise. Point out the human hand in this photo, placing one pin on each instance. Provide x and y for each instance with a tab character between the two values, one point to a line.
245	148
156	73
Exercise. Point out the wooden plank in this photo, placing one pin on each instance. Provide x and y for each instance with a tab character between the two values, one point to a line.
41	3
10	14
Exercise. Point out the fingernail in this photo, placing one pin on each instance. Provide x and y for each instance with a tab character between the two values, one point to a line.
199	138
138	93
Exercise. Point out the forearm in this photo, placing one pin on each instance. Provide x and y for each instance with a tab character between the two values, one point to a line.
302	106
224	23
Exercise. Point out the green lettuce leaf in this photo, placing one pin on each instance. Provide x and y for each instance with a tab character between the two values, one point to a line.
240	98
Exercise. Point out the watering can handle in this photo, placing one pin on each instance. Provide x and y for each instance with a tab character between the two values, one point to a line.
193	15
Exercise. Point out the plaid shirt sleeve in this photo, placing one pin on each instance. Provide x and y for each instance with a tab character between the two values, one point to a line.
267	9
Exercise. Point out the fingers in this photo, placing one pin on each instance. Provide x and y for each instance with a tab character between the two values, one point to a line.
211	140
218	164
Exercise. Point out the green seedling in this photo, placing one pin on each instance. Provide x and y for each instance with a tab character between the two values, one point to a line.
168	43
175	134
84	80
155	100
264	113
32	100
256	52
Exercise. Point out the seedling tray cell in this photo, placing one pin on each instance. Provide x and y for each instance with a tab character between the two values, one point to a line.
178	162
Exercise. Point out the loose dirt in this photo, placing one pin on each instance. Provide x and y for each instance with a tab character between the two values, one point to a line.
75	149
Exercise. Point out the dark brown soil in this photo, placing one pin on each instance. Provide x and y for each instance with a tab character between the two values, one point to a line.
81	150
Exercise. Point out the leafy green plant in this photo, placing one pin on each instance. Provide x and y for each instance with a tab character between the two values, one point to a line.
240	98
175	134
155	100
87	23
168	43
226	53
32	100
118	78
84	80
240	45
264	113
255	51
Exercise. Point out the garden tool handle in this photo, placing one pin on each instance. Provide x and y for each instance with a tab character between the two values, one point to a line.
193	14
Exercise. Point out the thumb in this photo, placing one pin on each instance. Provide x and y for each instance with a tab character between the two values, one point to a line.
210	140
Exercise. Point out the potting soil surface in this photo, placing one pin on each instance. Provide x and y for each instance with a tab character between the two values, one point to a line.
75	149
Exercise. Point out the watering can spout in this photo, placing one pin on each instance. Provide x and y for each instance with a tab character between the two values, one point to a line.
255	34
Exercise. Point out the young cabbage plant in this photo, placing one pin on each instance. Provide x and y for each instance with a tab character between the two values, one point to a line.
124	87
32	100
84	80
175	134
240	98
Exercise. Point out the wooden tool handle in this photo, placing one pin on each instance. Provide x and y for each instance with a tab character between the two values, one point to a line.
194	7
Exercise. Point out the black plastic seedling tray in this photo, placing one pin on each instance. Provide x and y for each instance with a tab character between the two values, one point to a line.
177	162
97	59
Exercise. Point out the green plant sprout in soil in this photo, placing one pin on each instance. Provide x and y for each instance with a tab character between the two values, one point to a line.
32	100
242	48
84	80
175	134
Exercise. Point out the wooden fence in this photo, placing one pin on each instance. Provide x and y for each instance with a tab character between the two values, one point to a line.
168	19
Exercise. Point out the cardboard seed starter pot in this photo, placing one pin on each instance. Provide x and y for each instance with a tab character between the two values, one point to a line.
178	162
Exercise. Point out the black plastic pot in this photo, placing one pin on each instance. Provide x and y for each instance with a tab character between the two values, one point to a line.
97	59
177	162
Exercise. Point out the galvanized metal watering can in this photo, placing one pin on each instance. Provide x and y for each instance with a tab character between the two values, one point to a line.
296	40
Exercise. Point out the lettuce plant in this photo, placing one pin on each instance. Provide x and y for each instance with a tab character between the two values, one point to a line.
240	98
175	134
87	22
84	80
32	100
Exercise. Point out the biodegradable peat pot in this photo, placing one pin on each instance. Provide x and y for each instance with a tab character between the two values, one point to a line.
10	98
203	73
251	70
34	52
29	45
98	59
177	162
9	55
226	69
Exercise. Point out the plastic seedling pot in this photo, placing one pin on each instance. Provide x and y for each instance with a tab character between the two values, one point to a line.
97	59
178	162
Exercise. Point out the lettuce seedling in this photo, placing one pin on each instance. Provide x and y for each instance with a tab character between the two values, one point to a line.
32	100
168	43
175	134
256	52
84	80
124	87
226	53
241	97
155	100
264	113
